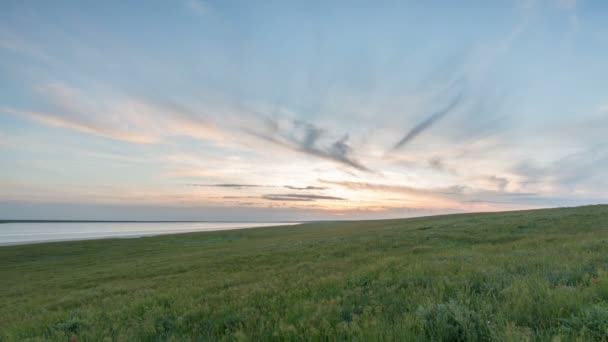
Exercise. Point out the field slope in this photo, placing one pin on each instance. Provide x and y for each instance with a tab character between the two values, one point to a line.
530	275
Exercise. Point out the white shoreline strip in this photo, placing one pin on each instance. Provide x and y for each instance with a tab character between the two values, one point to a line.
133	235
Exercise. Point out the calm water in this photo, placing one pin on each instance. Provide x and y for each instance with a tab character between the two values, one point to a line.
23	233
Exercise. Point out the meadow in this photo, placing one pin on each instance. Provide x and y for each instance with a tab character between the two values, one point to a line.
538	275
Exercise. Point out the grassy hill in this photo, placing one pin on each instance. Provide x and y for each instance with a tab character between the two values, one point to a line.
529	275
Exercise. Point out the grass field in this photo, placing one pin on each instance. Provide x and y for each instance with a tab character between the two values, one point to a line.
516	276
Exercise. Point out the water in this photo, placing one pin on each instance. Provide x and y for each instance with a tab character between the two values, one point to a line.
24	233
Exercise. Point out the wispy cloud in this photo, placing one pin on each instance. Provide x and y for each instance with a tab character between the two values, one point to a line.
458	193
392	188
127	119
238	197
581	171
304	137
300	197
310	187
54	121
230	185
428	122
500	182
438	164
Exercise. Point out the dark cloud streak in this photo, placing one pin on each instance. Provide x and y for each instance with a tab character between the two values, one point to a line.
306	187
306	138
427	123
300	197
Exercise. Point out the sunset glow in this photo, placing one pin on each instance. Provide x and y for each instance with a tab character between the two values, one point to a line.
207	110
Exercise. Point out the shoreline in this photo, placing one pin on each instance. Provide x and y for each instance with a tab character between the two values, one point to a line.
134	234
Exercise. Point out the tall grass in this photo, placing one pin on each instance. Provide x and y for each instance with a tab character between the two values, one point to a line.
518	276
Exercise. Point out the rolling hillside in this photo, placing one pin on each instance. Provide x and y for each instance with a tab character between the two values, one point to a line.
529	275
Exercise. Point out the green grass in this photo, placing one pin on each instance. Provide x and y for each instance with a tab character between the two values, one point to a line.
533	275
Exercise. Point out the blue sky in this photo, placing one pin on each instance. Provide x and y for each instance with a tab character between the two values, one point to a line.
300	110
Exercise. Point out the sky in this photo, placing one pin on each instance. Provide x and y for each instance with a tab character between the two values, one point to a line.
300	110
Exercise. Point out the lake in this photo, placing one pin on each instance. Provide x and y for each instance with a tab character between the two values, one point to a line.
34	232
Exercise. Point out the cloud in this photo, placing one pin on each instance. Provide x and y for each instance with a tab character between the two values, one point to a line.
306	187
428	122
304	137
126	119
300	197
230	185
501	182
391	188
459	193
238	197
53	121
582	170
286	198
437	163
